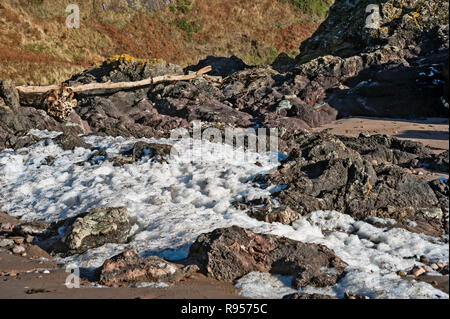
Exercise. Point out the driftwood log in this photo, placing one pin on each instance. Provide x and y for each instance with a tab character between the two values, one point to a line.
58	100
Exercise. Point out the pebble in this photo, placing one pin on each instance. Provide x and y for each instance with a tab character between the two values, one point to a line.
417	271
440	264
402	273
18	249
29	239
6	242
434	267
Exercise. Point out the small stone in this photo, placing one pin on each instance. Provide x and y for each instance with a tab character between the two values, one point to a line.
434	267
440	264
29	239
5	242
428	268
402	273
374	162
18	250
417	271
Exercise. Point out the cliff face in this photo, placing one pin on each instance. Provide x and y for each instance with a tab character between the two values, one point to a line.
356	26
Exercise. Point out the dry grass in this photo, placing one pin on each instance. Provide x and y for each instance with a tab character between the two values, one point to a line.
36	47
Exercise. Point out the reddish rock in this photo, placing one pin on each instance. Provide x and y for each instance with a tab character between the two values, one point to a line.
230	253
129	268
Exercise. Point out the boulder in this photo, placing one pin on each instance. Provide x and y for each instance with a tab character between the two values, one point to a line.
129	268
76	235
230	253
100	226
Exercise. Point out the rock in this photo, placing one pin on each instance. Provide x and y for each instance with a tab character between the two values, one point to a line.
100	226
160	152
268	214
438	163
21	139
6	242
417	271
327	172
129	268
433	213
124	68
31	229
18	250
301	295
9	94
70	142
434	267
230	253
221	66
406	24
75	235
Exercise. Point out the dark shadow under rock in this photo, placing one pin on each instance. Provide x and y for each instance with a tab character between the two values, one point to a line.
221	66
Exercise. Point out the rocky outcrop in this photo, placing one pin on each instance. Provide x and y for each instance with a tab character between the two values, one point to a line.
230	253
364	176
375	69
417	26
129	268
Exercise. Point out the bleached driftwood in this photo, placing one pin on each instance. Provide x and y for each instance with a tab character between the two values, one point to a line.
58	100
110	86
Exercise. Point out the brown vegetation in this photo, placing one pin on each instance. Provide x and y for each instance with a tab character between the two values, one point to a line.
36	48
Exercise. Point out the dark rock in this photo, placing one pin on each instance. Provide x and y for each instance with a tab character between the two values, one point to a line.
70	142
31	229
20	140
327	172
124	69
230	253
129	268
221	66
439	162
9	94
160	152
